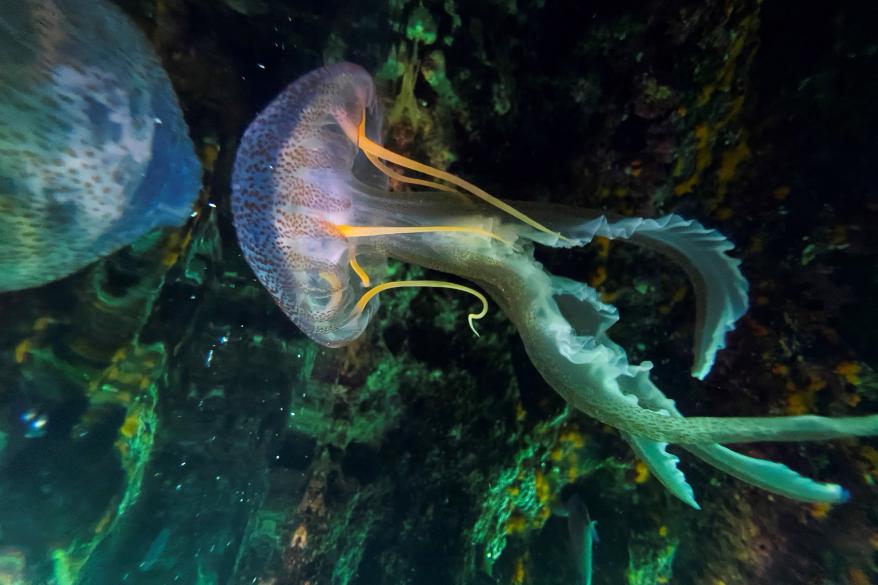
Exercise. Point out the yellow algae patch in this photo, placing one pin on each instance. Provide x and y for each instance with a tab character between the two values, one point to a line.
780	370
105	520
729	163
529	499
573	437
175	245
723	213
641	472
300	537
797	403
679	295
717	100
516	524
870	455
598	277
702	160
815	382
131	424
851	399
820	510
603	246
610	297
781	193
858	577
541	484
21	350
518	572
209	154
850	371
800	400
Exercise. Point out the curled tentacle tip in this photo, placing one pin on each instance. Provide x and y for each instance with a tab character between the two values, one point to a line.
843	495
701	370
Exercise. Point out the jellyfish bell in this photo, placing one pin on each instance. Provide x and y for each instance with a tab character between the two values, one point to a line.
292	185
311	203
316	223
94	151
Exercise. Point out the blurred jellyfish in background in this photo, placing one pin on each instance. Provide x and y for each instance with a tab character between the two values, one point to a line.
94	151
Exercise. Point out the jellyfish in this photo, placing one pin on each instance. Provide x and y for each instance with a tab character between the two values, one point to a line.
317	221
94	151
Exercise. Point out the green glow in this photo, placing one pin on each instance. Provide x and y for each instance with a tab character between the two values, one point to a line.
421	26
648	565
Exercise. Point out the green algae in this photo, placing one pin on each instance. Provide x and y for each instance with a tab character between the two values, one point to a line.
434	74
651	563
421	26
513	490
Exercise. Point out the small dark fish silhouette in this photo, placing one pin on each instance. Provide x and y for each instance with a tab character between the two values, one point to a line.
583	536
154	553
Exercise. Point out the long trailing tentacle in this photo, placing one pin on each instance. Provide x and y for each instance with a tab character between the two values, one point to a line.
563	325
771	476
376	151
663	466
720	287
593	373
768	475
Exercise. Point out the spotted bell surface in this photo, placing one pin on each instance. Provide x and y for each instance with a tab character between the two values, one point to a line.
94	151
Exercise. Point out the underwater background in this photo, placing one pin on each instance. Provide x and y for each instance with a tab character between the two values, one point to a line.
162	421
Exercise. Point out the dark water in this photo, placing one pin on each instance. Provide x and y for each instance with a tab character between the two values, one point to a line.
163	421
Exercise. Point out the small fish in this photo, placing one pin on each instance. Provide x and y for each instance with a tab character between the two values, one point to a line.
154	553
583	536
